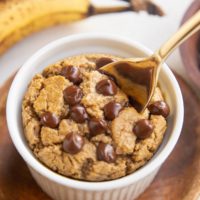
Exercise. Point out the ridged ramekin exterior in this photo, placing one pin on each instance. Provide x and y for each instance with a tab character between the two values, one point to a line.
59	192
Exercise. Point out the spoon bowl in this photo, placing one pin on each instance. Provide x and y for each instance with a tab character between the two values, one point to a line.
136	78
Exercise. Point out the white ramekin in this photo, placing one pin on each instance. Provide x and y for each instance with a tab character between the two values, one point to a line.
60	187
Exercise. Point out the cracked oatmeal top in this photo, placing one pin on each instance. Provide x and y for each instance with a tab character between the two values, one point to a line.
80	124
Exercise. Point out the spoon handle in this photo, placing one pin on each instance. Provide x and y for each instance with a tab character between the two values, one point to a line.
189	28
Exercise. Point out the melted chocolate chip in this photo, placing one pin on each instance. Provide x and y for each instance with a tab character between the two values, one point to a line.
72	95
111	77
130	74
106	87
78	114
159	108
72	73
103	61
111	110
73	143
49	119
106	152
135	104
143	128
97	126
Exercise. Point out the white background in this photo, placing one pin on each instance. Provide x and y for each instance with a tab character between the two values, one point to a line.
150	30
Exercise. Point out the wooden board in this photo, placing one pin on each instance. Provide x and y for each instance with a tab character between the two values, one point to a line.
178	179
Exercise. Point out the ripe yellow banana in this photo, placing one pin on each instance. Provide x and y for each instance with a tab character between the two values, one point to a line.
18	18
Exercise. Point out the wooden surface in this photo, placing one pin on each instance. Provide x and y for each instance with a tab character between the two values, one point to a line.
178	179
189	50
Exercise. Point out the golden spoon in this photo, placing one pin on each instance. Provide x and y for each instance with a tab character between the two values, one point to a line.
138	77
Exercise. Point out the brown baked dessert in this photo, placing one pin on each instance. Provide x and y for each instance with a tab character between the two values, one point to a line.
80	124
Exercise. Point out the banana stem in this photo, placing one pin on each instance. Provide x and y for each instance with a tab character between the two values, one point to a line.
94	10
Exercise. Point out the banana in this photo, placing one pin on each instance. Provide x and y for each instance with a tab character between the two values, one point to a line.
19	18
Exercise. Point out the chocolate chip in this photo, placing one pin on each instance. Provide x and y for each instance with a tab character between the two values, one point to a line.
106	152
159	108
73	143
49	119
143	128
78	114
72	95
106	87
111	110
103	61
72	73
97	126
